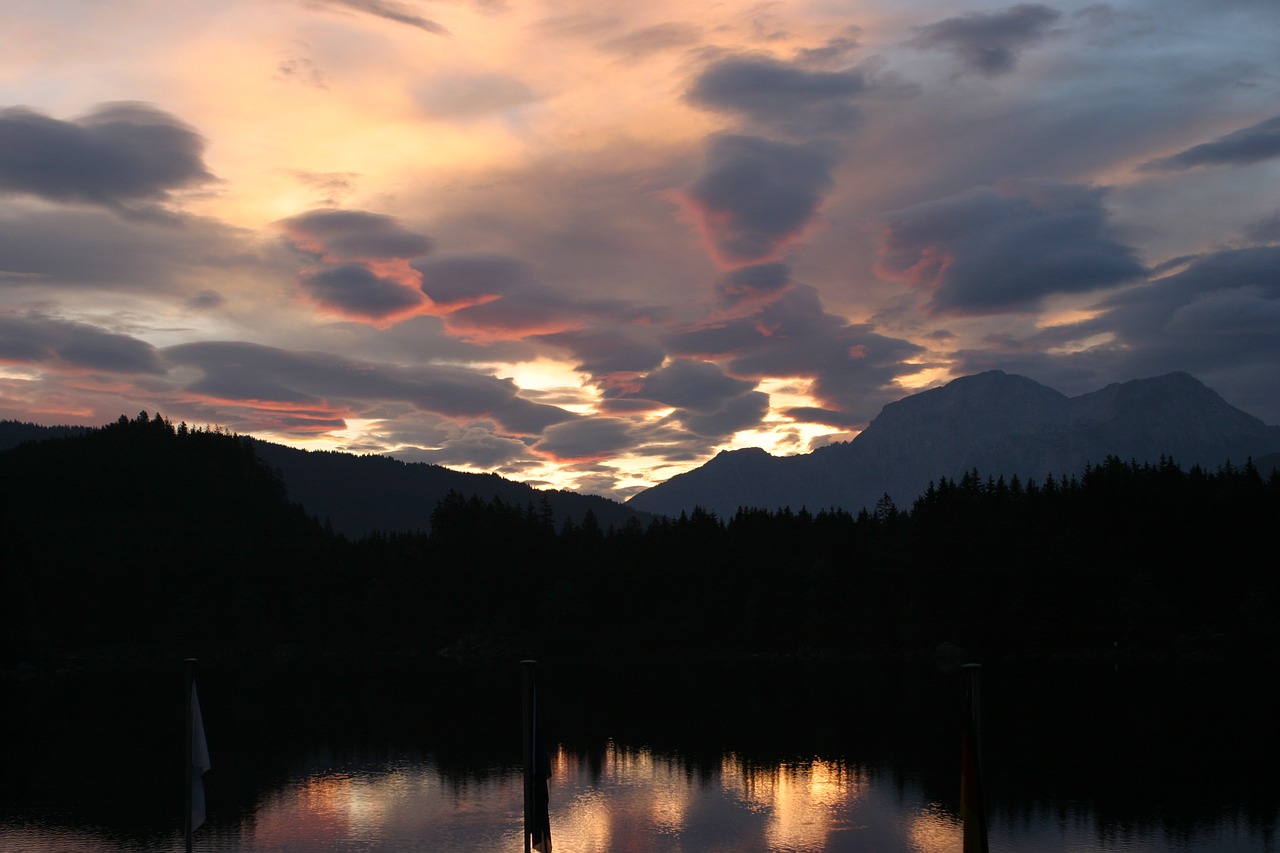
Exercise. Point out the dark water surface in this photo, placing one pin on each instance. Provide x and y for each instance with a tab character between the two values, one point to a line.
710	756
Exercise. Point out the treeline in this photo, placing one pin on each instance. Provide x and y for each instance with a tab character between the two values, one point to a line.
143	538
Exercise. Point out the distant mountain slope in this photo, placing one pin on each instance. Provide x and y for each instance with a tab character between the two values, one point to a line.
13	433
999	423
360	494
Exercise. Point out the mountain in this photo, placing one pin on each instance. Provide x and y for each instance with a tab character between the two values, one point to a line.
998	423
361	494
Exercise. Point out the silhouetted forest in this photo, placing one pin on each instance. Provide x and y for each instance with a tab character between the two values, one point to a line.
143	539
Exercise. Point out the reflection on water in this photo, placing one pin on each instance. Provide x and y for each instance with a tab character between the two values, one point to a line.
622	801
401	807
833	759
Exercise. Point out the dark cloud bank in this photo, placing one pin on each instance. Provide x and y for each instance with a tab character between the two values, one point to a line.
118	155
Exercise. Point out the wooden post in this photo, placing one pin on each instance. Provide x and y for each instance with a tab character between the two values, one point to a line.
529	669
972	808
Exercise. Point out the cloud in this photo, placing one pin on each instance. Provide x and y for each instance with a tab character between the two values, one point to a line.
707	402
476	446
988	43
1218	319
56	249
364	275
266	379
489	296
697	385
456	281
755	195
390	11
1003	249
837	49
754	280
354	235
1241	148
743	412
782	97
494	297
586	438
466	97
66	346
118	154
852	368
1146	312
601	352
356	292
1264	230
658	38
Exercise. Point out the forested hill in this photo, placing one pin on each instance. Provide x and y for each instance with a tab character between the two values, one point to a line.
145	540
357	495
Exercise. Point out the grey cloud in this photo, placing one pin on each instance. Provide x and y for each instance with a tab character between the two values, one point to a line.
476	446
1144	313
755	195
1243	147
205	300
754	280
1218	319
390	11
117	155
707	402
604	351
656	39
474	96
354	235
353	290
1264	230
781	96
586	438
452	280
837	49
697	385
90	248
60	344
494	296
256	373
741	412
988	43
1004	249
852	368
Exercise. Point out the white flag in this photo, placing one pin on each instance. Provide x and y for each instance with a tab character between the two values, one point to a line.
199	760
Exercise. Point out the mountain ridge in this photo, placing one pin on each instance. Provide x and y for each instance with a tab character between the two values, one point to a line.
1001	424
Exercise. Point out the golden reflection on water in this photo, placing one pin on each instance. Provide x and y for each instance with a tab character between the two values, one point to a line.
647	795
933	830
623	800
805	801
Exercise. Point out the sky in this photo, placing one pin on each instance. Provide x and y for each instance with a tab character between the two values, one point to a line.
588	245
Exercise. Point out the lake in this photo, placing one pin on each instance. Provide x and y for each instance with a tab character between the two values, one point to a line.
707	757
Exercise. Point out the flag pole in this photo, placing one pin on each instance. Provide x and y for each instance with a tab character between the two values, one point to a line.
189	667
972	809
529	670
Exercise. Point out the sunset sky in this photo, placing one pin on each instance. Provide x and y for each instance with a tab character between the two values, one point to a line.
589	245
